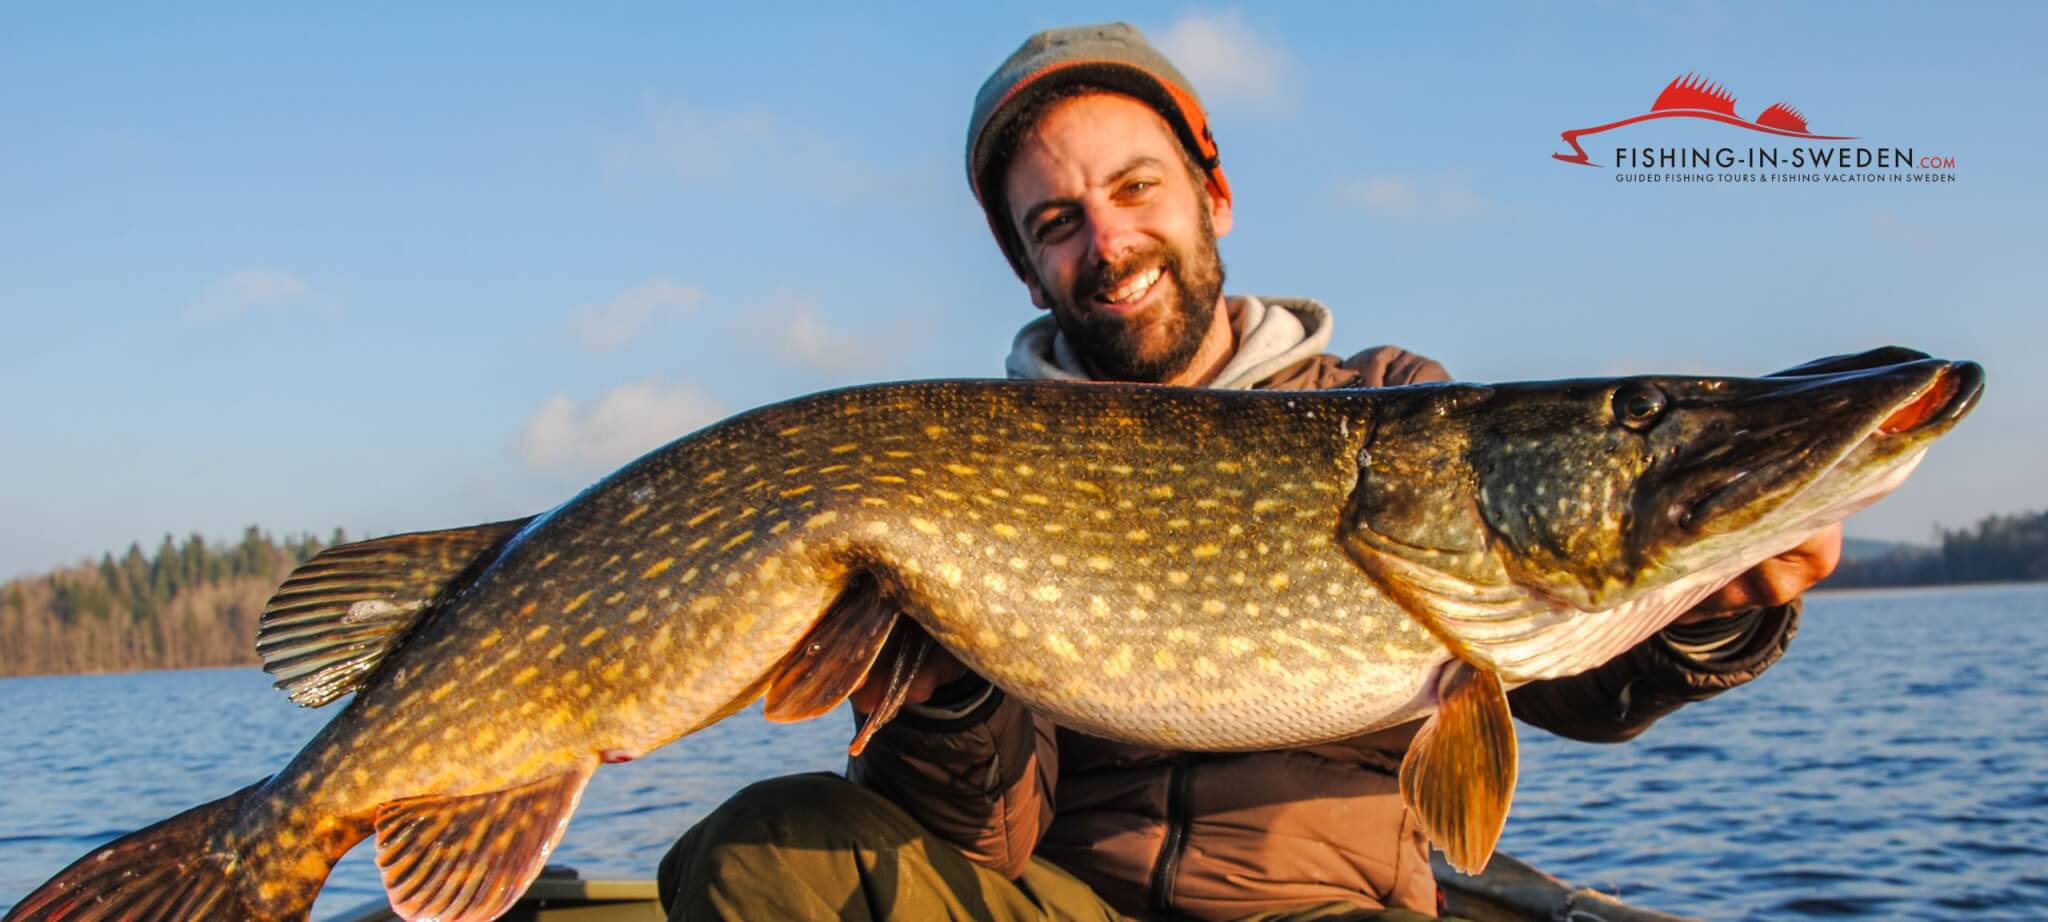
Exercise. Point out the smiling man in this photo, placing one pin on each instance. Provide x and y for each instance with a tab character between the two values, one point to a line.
1120	238
1094	162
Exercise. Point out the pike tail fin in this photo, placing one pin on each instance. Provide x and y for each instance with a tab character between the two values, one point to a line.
173	871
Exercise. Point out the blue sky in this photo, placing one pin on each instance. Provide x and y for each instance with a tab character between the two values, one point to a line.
394	269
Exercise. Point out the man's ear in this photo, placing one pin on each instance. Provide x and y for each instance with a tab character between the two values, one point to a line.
1037	291
1219	211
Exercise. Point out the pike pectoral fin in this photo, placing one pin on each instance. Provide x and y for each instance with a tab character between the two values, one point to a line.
834	658
339	614
456	859
1459	773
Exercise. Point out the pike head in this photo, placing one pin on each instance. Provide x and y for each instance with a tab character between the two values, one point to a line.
1540	529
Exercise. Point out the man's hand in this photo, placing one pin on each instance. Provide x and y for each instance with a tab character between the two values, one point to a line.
1775	581
938	669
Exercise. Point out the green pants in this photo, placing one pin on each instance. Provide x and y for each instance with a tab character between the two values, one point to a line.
820	847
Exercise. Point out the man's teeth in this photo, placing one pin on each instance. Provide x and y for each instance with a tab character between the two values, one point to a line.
1135	288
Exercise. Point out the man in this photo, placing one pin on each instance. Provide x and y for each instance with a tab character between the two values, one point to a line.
1093	160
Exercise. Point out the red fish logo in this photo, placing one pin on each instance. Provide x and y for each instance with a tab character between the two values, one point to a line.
1693	96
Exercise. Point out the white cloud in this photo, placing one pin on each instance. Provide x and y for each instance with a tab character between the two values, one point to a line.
1887	225
1444	198
796	334
696	146
624	423
692	144
1386	195
244	290
1229	62
605	327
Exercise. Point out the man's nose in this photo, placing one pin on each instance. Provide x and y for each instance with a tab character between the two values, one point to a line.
1113	232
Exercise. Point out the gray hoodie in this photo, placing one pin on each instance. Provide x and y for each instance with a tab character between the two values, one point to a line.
1273	334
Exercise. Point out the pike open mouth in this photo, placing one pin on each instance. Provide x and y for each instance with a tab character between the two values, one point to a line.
1951	395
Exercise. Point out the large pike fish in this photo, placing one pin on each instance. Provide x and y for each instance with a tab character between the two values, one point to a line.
1180	568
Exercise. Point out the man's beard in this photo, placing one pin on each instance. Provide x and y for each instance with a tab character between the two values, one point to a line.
1113	345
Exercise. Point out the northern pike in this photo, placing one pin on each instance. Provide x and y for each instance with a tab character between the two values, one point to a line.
1189	569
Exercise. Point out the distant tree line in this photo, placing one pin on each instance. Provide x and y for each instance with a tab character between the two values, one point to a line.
1999	548
186	605
195	604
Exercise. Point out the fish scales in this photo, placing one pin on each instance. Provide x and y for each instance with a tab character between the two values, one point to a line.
1117	559
1193	569
1005	520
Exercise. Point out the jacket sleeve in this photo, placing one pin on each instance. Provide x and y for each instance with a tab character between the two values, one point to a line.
1392	366
1621	699
974	767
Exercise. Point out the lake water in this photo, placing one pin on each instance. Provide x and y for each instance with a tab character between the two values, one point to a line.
1895	765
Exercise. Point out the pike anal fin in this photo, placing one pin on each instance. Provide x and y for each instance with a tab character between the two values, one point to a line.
468	859
1459	774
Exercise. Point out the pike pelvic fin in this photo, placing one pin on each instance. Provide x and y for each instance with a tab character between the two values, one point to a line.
1459	774
905	656
165	873
339	614
834	658
468	859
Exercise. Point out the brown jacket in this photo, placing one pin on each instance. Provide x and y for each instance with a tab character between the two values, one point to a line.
1225	835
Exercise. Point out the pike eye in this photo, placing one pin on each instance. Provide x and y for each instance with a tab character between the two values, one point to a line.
1637	405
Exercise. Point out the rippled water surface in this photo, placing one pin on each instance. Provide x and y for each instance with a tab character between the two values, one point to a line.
1895	765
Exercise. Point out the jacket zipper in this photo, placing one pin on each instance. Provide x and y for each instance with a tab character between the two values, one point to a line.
1178	780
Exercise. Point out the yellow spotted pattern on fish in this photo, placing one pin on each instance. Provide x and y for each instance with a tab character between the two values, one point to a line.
1188	569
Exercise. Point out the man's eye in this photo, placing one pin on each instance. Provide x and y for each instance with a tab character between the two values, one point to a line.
1051	226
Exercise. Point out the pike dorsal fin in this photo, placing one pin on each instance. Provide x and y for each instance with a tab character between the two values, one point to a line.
1459	774
339	614
468	859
